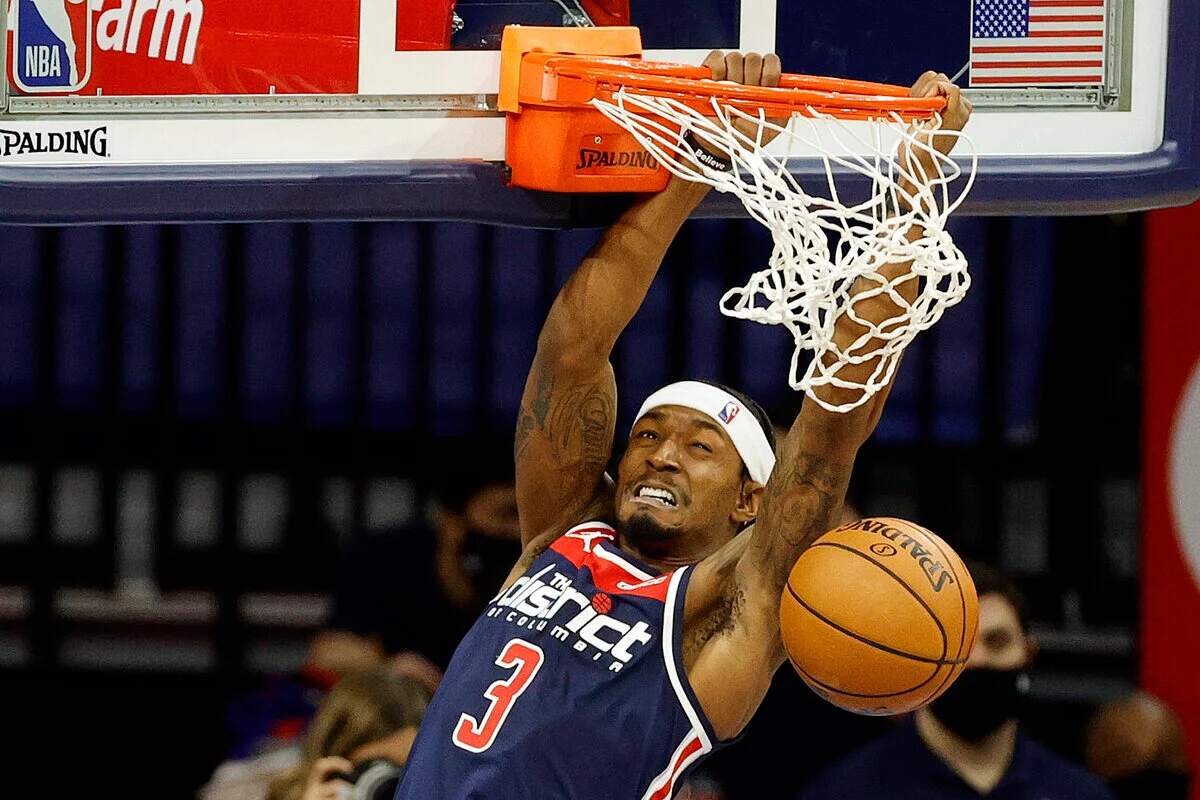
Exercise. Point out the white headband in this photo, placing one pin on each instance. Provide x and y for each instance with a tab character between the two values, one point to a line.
747	435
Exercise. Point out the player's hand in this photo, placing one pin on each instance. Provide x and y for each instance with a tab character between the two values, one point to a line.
958	108
322	783
954	118
748	69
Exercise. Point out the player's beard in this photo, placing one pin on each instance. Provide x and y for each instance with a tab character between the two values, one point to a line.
643	529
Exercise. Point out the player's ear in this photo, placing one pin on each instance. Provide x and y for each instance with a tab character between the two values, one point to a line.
749	497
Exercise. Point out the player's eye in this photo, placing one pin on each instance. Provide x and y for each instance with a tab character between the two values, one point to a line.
647	435
702	446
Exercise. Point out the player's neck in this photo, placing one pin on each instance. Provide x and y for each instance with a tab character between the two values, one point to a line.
980	764
659	560
666	550
667	556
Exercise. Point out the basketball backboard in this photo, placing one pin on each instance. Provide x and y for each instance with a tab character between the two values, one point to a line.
186	109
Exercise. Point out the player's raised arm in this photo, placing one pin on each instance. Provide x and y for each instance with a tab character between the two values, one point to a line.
568	411
567	420
808	486
734	595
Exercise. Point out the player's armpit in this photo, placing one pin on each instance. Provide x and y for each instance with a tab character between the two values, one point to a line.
563	442
731	644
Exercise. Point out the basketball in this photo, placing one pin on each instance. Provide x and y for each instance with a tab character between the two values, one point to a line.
879	616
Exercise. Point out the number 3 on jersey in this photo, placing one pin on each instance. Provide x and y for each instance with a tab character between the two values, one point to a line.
478	735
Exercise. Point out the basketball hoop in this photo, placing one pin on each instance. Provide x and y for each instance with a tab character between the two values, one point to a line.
648	119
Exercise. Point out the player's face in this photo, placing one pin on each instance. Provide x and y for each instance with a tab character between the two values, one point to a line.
1000	643
679	473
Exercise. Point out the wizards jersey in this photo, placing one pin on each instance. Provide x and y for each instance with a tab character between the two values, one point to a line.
569	686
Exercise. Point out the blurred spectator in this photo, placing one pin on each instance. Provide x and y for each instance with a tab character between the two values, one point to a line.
368	718
402	599
967	742
1136	745
416	591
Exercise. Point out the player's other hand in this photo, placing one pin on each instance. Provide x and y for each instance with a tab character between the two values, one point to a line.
324	782
748	69
958	107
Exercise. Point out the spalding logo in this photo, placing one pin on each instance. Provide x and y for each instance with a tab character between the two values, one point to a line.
935	571
639	159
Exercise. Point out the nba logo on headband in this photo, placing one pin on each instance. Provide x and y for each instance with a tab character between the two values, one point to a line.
729	412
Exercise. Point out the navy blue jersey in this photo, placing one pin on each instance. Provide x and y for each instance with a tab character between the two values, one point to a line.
570	685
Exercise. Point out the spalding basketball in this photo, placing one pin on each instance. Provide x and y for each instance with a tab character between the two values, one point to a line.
879	616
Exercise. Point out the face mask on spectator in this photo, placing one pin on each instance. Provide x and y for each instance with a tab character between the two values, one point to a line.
980	701
1160	784
488	560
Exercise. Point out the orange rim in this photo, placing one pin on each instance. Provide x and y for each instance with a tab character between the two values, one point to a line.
838	97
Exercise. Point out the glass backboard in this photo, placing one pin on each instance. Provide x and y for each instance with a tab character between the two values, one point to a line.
272	109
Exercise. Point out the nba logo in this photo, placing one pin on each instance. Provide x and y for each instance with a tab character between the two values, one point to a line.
52	42
730	411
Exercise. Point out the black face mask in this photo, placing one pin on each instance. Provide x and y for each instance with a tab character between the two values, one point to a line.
488	560
980	701
1159	784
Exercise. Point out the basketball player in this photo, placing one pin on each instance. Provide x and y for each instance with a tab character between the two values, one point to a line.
639	630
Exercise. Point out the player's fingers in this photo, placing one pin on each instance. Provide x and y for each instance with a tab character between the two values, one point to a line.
330	791
772	69
956	104
921	87
322	768
734	67
753	66
715	61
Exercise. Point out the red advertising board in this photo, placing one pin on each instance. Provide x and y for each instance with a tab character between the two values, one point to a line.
176	47
1170	571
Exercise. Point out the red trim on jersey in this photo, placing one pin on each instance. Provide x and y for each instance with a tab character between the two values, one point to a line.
576	544
615	579
579	546
691	747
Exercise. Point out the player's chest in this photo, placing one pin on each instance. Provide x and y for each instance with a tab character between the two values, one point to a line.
564	611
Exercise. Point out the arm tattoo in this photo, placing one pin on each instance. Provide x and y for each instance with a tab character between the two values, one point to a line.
579	426
799	504
533	418
541	402
595	418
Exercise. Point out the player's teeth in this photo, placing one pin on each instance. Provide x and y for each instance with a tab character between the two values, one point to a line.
658	494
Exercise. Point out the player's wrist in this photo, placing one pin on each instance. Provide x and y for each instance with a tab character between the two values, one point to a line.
686	192
706	155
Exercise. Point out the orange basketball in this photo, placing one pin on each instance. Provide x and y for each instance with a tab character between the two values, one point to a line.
879	616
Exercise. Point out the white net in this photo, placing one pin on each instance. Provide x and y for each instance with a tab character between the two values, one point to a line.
825	246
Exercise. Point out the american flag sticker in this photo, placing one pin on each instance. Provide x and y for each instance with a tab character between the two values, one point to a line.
1038	42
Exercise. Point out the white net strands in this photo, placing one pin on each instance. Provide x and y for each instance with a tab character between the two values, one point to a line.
828	253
